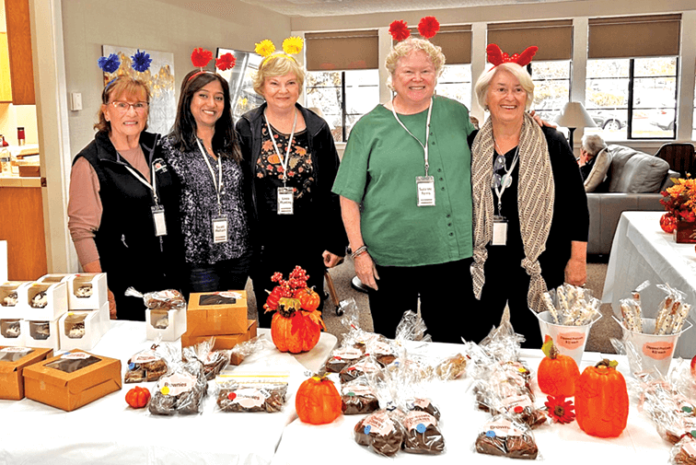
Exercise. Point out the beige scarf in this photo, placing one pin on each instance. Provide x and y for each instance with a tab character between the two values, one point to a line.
535	199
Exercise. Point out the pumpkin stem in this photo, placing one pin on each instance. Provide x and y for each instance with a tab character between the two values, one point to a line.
550	349
606	363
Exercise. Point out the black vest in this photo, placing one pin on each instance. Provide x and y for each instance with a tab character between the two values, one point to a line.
129	251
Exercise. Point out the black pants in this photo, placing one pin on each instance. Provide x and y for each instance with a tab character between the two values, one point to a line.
445	293
228	275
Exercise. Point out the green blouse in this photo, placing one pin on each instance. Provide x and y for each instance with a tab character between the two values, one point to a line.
379	170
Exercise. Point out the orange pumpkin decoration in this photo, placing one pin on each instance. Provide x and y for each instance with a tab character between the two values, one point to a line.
668	223
309	299
138	397
601	400
317	401
557	373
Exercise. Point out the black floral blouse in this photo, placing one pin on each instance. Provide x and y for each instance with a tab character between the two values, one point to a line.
199	205
269	169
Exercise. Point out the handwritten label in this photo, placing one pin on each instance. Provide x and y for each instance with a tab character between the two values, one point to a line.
178	383
379	424
415	418
503	428
249	398
690	449
571	340
658	350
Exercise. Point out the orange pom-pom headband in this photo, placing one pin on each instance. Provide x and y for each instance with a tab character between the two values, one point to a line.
291	46
497	57
427	28
201	57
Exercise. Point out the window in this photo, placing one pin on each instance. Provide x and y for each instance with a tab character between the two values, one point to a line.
633	98
551	87
343	97
455	83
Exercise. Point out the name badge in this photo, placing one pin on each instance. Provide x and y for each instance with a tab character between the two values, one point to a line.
220	230
426	191
285	201
159	221
500	226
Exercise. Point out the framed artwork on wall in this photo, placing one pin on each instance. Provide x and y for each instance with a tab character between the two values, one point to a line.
160	78
241	81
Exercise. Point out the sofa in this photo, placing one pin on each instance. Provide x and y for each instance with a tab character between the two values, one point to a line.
626	180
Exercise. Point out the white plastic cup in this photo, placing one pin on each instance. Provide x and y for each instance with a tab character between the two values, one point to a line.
647	351
570	340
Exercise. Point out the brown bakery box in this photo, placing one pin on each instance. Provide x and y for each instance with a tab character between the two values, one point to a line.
11	380
71	390
205	316
222	341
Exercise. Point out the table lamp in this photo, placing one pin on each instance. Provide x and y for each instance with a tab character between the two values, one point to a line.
575	116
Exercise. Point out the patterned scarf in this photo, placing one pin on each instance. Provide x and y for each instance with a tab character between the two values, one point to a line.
535	200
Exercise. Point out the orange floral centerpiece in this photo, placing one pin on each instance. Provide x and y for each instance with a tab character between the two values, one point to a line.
680	203
297	324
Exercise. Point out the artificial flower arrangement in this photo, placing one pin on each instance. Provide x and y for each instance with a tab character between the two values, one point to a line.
680	203
297	324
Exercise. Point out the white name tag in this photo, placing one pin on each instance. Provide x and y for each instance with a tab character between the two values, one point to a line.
220	230
285	201
426	191
499	231
158	219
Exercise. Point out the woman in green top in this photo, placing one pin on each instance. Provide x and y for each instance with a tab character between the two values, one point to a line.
405	187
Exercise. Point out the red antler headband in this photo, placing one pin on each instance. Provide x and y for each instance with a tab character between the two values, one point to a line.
201	57
497	57
427	28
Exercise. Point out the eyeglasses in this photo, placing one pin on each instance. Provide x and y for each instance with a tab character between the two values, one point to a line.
122	107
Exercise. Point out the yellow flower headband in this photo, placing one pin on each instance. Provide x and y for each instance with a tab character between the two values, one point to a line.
291	46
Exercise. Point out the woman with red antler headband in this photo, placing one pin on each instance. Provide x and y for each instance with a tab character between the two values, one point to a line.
204	154
405	193
530	209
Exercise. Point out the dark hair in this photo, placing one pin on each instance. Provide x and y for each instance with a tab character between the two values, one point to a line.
185	129
120	85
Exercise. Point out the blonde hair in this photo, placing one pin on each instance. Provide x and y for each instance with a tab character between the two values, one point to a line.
412	44
275	65
122	85
484	81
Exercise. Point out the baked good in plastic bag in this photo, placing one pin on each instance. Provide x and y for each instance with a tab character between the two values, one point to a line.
169	299
358	397
343	357
506	437
235	397
684	452
422	434
181	390
381	431
214	361
146	366
365	366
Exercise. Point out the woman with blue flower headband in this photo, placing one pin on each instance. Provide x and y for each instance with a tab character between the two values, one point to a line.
123	207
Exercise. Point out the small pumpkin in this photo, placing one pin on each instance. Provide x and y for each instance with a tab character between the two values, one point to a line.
668	223
557	373
601	400
309	299
138	397
317	401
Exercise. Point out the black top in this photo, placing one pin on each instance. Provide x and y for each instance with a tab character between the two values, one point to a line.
587	168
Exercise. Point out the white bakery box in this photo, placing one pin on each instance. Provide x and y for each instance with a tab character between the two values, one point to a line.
11	333
9	299
86	291
41	334
82	329
43	301
169	324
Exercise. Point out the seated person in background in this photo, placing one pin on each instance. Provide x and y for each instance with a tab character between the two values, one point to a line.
592	144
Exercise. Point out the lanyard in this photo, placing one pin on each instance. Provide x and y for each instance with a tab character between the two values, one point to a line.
283	161
506	179
152	187
427	132
218	188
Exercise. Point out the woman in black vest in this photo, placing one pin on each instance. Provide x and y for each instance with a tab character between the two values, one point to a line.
123	208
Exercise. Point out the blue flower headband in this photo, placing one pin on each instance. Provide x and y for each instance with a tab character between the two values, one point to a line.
110	64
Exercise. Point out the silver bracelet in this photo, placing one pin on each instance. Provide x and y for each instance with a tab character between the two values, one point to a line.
360	250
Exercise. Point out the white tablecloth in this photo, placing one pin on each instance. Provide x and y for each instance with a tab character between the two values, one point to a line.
641	250
107	431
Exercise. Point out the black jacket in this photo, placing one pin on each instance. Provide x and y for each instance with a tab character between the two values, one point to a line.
325	204
129	251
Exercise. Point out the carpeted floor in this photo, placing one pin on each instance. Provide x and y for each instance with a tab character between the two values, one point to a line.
596	270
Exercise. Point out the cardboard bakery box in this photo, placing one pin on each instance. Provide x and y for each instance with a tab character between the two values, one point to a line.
72	380
11	333
169	324
53	297
217	313
87	291
80	330
222	341
9	298
54	278
43	334
13	360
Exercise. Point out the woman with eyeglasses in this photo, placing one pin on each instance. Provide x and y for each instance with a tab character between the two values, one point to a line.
204	153
123	207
